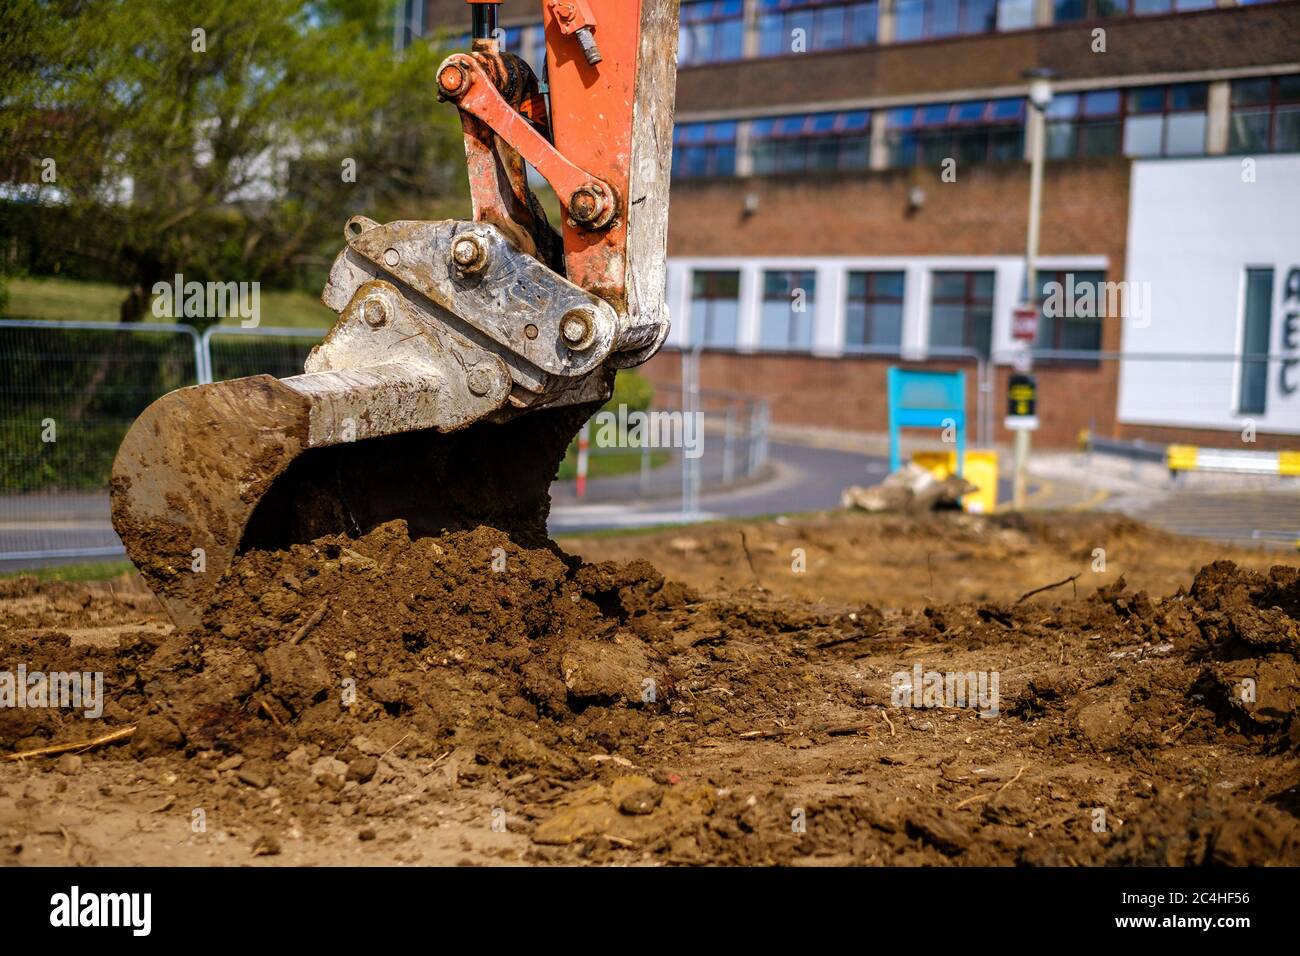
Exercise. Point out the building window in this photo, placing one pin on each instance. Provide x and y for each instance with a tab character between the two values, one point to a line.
1068	11
1166	120
1015	14
931	19
961	311
815	142
704	149
874	314
1265	115
409	24
715	308
1141	121
1085	124
1256	334
787	317
712	31
1073	305
799	26
974	131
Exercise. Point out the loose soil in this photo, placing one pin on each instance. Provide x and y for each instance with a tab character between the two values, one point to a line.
466	698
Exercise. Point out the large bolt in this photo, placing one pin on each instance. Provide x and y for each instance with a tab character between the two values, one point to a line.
590	205
588	43
469	254
482	379
578	328
375	311
454	80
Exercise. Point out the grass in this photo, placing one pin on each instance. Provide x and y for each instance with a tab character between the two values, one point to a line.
50	299
101	571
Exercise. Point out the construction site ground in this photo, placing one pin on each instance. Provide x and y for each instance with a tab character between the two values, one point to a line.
717	694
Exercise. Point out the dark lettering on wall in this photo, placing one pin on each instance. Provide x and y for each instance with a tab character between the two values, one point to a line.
1288	383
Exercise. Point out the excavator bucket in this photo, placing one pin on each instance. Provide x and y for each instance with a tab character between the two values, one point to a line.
466	354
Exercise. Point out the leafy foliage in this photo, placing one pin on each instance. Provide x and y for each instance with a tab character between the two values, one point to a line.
218	139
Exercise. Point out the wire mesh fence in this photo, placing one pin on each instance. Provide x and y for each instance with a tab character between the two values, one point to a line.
721	440
68	393
236	352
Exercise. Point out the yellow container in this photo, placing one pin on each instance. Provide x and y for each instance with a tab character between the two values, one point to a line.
980	469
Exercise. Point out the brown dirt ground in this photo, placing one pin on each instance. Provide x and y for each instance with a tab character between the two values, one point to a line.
743	711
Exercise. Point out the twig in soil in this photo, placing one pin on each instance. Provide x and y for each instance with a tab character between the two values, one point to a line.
764	734
846	730
393	747
311	622
80	745
758	585
1179	732
888	721
830	730
266	708
985	796
1047	587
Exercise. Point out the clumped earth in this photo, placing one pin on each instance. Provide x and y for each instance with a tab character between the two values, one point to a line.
466	699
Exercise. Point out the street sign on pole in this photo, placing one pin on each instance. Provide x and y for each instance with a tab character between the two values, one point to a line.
1024	322
1022	403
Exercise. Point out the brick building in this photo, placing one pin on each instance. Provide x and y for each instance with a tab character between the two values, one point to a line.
851	191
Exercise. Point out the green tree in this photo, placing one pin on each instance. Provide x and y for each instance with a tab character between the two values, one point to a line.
225	140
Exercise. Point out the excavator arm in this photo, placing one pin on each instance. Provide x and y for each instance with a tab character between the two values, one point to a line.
467	352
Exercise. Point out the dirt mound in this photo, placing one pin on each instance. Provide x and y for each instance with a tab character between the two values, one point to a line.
606	713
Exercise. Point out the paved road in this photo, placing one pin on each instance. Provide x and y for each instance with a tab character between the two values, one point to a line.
1267	517
803	479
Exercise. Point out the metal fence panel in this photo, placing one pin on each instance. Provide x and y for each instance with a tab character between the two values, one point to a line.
68	393
70	390
237	352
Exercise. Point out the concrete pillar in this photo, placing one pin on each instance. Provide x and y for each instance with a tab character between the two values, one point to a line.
677	298
879	157
751	304
750	42
1218	112
916	311
828	323
885	21
1044	13
744	155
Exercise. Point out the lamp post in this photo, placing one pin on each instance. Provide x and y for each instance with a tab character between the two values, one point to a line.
1040	97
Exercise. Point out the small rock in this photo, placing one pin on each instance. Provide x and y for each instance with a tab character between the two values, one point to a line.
641	801
231	763
266	845
156	735
69	763
362	769
254	776
298	674
366	834
329	767
298	759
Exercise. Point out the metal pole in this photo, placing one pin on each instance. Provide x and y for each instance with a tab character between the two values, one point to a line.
681	452
695	412
728	445
1037	139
